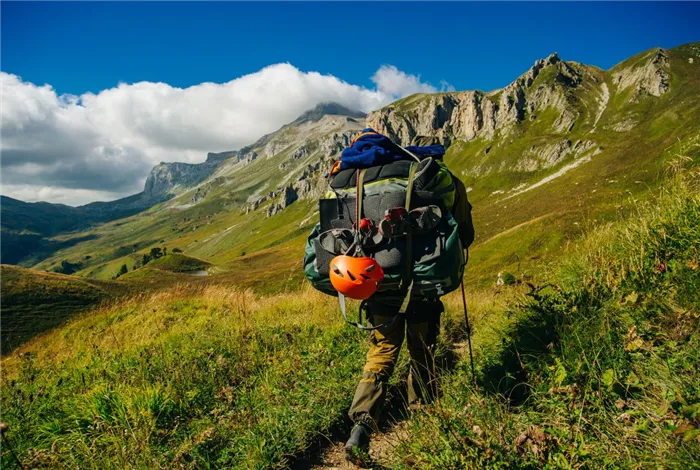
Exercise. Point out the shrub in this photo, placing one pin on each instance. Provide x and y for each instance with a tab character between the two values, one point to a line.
66	267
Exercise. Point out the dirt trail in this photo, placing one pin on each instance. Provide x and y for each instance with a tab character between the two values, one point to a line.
381	452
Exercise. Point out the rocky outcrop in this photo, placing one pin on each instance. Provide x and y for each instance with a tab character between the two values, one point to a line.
287	196
221	156
274	147
649	76
470	114
199	195
165	177
549	155
316	155
337	142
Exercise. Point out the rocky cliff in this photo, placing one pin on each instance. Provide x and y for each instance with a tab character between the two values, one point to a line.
166	178
300	153
550	84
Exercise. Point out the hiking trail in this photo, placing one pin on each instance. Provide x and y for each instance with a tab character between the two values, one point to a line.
381	451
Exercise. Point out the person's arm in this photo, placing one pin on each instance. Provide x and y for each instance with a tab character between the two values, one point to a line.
462	212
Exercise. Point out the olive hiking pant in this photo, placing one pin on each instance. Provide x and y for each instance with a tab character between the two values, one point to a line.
420	325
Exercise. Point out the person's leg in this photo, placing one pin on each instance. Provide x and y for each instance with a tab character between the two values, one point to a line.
381	359
423	326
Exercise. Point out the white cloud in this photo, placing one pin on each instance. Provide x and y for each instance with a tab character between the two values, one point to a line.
397	84
76	149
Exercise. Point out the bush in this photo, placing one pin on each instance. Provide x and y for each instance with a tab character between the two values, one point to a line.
508	279
123	270
66	267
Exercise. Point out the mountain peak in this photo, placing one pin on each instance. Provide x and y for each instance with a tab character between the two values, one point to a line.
329	108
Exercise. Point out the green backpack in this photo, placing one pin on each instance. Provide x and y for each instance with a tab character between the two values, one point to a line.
405	224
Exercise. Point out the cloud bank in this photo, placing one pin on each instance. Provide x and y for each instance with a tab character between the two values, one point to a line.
78	149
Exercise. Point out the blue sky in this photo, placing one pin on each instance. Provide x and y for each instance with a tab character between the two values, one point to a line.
81	46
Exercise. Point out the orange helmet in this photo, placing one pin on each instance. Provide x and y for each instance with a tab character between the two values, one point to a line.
356	278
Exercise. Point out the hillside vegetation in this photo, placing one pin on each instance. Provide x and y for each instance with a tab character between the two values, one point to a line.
34	301
599	368
179	263
596	368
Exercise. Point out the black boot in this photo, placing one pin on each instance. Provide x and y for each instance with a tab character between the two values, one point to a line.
358	444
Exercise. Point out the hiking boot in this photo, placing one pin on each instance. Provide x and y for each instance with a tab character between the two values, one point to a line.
358	444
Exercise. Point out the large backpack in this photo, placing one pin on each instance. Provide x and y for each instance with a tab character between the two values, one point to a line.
429	263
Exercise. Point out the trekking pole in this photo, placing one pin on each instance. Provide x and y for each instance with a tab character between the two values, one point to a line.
469	332
3	429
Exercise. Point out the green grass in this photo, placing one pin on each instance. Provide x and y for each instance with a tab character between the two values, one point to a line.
34	302
195	376
598	368
179	263
201	378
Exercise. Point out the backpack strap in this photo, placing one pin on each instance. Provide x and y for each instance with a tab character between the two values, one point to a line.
407	279
360	177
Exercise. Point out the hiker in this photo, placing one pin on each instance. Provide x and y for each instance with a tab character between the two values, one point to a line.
394	232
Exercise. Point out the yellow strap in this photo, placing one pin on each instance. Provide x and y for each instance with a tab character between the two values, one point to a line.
409	189
407	277
360	195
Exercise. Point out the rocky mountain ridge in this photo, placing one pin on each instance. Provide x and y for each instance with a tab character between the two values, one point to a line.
302	150
549	83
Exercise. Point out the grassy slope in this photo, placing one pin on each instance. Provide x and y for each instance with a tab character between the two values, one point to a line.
192	376
599	370
205	377
33	301
179	263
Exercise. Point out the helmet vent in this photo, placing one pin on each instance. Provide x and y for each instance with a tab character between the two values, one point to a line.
351	276
337	271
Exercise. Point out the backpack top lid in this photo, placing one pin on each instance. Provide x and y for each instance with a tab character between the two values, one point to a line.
371	149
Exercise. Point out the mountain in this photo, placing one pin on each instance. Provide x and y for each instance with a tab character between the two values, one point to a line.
327	109
564	146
